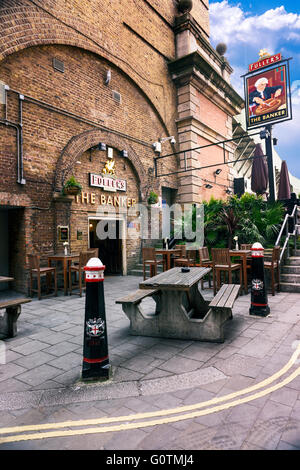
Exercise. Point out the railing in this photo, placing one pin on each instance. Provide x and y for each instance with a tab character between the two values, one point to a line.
288	235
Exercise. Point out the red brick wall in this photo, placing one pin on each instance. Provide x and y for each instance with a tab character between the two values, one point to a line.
132	38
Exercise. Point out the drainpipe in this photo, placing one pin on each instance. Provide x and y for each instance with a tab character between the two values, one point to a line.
17	127
19	130
21	179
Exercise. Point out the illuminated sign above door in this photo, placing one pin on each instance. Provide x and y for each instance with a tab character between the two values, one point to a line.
107	183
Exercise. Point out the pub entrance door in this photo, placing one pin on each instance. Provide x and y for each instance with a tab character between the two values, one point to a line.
111	249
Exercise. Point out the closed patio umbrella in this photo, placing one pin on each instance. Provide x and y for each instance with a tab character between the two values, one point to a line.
284	189
259	176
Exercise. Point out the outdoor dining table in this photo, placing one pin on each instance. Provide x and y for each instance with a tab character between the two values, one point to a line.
243	254
65	260
179	293
167	255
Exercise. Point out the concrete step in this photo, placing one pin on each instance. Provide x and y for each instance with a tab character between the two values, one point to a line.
296	253
138	271
293	261
290	278
287	287
290	269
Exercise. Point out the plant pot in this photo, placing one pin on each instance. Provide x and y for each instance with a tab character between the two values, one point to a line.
72	190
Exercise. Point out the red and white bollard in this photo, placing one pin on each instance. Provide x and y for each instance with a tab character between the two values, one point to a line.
259	297
95	349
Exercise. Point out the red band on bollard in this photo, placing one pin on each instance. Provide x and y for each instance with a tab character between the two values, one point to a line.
257	253
93	361
258	305
94	274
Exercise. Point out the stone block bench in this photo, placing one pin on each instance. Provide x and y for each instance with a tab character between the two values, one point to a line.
8	322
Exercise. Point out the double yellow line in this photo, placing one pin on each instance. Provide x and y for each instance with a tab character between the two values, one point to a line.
182	413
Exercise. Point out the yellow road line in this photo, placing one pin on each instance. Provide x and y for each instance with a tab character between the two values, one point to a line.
172	419
182	409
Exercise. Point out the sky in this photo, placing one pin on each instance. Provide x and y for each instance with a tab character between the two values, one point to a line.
248	26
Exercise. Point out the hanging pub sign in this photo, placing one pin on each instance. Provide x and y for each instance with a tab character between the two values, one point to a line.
267	91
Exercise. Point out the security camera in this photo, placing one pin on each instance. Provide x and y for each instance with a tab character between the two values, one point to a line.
173	141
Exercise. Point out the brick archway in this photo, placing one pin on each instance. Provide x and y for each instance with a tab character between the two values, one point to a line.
82	142
28	26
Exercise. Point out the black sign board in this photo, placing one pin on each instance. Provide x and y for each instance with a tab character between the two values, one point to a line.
63	234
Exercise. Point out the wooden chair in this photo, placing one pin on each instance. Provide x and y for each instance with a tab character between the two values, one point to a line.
180	259
181	254
221	261
95	252
84	256
246	246
274	268
34	268
205	262
149	258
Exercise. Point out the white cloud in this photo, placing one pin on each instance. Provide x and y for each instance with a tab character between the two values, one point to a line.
245	34
232	25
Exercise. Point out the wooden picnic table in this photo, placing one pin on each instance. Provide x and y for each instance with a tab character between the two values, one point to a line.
181	311
179	292
65	260
167	255
243	254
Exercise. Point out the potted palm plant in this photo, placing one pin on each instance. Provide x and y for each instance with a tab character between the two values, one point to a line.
72	187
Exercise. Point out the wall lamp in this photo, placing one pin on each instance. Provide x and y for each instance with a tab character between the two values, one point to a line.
157	145
228	191
101	146
218	171
124	153
208	186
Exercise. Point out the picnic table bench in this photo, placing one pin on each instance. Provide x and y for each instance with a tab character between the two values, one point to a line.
8	322
131	302
181	311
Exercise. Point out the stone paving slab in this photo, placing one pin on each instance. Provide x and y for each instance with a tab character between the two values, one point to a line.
40	377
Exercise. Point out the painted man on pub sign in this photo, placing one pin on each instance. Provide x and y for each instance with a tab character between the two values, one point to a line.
266	95
263	92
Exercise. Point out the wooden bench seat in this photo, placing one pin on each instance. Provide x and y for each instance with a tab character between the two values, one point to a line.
220	310
8	323
226	296
136	297
131	304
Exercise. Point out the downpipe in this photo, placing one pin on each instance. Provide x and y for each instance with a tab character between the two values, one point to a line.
19	134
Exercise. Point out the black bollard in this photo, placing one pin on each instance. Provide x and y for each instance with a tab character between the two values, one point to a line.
95	349
259	297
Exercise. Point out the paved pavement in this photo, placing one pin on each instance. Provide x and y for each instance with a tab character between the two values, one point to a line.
241	394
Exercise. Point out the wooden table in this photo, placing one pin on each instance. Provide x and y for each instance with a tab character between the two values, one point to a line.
167	254
243	254
65	260
180	307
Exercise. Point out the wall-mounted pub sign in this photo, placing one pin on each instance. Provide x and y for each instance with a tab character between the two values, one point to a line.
63	233
267	91
107	183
